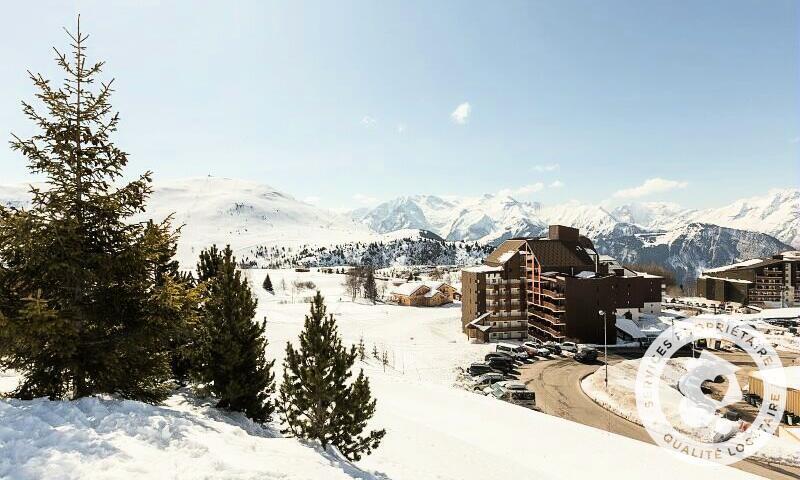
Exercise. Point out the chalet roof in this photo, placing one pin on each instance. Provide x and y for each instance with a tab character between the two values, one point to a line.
408	289
745	265
478	323
559	253
504	252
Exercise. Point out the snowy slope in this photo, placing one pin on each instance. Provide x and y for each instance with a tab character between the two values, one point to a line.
777	213
689	249
434	430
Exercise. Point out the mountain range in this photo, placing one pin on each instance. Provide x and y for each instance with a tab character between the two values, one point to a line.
493	218
256	217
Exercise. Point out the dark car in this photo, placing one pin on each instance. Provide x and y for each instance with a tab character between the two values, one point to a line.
501	355
554	347
501	365
479	368
586	355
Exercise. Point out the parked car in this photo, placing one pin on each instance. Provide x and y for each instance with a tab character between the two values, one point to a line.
480	368
571	347
554	348
517	351
501	365
487	380
498	355
586	355
536	348
514	392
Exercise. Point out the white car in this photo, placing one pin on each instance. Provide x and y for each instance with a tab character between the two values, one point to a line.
536	349
517	351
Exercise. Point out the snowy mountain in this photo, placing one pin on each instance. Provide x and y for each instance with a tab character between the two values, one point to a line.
777	213
686	250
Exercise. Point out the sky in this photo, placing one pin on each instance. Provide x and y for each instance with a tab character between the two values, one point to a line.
346	103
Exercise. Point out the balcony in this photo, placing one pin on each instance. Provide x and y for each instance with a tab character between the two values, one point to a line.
547	331
554	294
552	306
546	317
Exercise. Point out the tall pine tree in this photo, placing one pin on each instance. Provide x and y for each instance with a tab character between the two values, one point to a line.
317	401
234	365
89	298
370	287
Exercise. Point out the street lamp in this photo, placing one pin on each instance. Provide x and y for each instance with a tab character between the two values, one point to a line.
605	342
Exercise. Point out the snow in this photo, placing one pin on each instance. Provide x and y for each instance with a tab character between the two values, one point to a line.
435	430
787	377
620	399
732	280
746	263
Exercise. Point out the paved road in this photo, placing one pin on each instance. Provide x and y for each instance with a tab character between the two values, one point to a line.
558	392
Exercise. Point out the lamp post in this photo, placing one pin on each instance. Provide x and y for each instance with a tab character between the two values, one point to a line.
605	342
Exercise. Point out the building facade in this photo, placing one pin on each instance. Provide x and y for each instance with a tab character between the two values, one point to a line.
768	282
552	289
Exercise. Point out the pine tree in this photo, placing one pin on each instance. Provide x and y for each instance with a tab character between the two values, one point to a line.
316	400
362	349
234	366
375	352
90	299
370	287
268	284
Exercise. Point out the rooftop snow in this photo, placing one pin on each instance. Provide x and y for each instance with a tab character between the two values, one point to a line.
746	263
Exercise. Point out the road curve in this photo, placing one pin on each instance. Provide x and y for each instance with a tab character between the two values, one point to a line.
558	392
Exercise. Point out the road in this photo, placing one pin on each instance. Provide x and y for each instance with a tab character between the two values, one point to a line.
558	392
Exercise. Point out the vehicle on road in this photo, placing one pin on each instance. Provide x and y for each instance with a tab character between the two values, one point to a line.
536	348
514	392
586	355
570	347
517	351
554	347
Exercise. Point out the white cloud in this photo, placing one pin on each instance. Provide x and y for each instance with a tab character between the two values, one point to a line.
364	199
312	199
523	190
556	184
368	121
550	167
461	113
649	187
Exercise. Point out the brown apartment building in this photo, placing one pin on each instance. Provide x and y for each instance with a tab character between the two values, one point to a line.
769	282
552	289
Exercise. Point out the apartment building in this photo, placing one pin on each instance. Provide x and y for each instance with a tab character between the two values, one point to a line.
769	282
552	289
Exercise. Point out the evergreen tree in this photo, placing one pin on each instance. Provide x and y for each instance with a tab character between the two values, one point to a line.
268	284
316	400
90	299
362	349
234	365
370	287
209	264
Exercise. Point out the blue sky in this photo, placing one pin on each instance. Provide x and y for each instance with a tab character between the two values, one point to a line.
346	103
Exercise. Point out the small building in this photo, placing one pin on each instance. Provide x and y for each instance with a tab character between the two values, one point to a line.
423	294
781	379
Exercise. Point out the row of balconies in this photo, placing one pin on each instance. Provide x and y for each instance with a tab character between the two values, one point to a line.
543	329
546	317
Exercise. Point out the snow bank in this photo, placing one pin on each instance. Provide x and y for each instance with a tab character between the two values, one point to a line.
117	439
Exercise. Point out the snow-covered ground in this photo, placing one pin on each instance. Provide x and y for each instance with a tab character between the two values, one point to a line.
434	430
620	398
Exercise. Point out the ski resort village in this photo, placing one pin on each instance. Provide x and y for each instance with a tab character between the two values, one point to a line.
410	241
